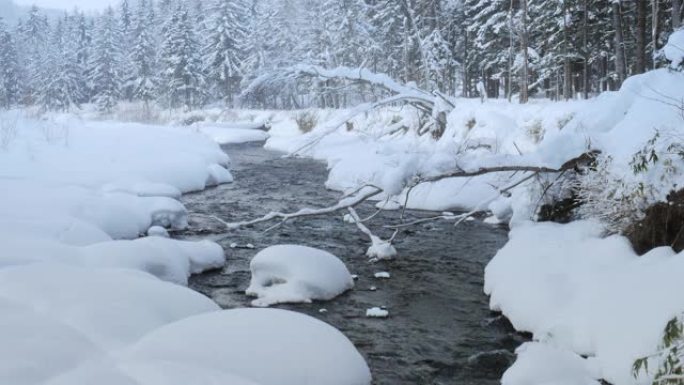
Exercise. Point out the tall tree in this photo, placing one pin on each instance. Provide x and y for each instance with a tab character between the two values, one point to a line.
105	63
224	54
9	68
183	78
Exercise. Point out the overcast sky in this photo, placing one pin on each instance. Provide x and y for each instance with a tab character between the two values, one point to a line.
86	5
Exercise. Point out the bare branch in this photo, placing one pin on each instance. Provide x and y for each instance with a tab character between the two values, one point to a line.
574	163
345	203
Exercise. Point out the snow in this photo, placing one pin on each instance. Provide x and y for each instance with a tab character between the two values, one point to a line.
377	312
291	273
584	293
374	153
157	231
277	348
84	300
674	49
540	364
232	133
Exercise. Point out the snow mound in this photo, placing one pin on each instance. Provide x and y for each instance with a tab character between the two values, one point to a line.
584	293
674	49
111	308
541	364
267	346
290	273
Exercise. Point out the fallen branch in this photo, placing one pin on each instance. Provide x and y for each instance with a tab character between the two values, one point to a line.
575	163
344	204
379	248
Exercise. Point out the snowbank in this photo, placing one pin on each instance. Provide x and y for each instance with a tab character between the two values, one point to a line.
674	49
267	346
383	149
290	273
232	133
77	183
586	294
84	300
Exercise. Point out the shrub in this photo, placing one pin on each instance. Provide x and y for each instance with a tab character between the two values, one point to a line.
306	121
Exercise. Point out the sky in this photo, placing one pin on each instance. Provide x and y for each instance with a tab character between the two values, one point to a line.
86	5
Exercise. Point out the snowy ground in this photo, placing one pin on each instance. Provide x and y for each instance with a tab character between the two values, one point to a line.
85	300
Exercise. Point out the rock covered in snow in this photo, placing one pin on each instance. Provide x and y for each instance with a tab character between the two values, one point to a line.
291	273
674	49
266	346
377	312
380	250
157	231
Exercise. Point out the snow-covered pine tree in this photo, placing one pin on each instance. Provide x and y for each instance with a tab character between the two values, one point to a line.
33	42
104	70
127	40
9	68
395	25
224	54
143	81
82	38
183	78
61	88
439	62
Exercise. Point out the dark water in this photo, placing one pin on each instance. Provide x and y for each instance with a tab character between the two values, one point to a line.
440	330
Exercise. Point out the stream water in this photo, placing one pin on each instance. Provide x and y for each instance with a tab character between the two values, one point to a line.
440	330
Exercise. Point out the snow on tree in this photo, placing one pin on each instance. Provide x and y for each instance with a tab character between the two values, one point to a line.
34	41
224	54
61	89
183	80
104	72
143	81
9	68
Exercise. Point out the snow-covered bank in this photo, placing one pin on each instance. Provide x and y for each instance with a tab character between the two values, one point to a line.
84	300
382	148
583	294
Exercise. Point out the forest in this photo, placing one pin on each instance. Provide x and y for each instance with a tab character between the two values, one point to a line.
193	53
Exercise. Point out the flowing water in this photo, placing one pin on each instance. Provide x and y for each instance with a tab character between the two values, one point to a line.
439	331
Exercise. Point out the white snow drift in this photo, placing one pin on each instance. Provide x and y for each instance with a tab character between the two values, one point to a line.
267	346
290	273
83	301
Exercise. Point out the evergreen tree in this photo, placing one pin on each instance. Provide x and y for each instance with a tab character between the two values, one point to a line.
34	44
224	54
105	63
143	81
9	68
61	89
184	81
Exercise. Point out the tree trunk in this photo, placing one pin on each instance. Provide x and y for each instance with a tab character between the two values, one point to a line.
620	64
676	14
585	47
641	11
509	88
567	75
655	30
524	46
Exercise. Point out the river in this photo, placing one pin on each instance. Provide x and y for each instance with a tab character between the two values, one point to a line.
440	330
